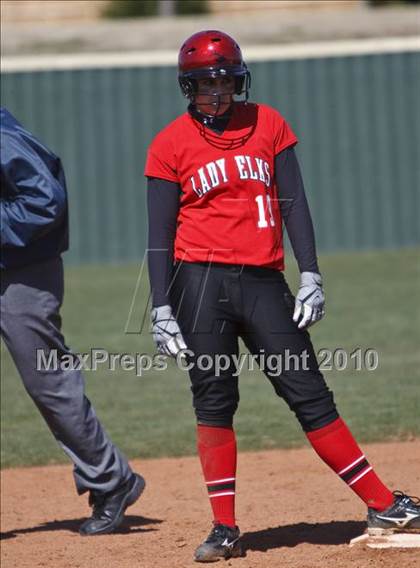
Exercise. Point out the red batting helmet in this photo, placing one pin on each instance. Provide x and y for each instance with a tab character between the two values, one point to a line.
211	54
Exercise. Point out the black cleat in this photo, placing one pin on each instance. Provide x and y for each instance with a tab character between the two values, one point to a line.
222	542
403	516
109	508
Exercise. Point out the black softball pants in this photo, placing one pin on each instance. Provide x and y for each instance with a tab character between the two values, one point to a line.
214	305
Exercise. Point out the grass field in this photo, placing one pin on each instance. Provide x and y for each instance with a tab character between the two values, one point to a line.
372	302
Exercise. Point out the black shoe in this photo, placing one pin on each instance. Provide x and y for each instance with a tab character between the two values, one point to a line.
109	508
402	515
222	542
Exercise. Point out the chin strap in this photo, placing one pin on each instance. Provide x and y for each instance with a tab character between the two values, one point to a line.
210	128
201	116
218	122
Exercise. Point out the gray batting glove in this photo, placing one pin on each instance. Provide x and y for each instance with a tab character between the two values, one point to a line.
166	332
310	300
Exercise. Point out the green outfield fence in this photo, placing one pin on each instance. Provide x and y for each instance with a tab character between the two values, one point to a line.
354	106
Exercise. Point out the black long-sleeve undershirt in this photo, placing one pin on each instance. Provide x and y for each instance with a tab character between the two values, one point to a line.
295	210
163	202
163	199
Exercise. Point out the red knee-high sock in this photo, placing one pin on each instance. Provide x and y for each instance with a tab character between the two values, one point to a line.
217	451
335	445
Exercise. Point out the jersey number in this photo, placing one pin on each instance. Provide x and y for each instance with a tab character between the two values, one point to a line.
262	221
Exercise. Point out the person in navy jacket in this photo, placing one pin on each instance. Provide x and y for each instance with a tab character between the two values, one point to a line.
34	233
34	213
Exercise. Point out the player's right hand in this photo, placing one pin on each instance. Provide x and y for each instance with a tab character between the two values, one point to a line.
166	332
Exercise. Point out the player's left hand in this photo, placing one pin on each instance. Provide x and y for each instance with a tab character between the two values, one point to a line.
310	300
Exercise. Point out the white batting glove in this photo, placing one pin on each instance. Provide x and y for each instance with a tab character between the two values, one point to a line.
166	332
310	300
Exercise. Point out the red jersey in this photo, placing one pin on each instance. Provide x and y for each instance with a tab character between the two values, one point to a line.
229	211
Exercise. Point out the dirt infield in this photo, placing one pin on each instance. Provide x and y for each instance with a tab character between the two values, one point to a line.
292	510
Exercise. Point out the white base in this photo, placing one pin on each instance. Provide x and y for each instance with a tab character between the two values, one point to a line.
396	540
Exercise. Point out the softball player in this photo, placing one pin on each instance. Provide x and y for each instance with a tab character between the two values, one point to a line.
222	178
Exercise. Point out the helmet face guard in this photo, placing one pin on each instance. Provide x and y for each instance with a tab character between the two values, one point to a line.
188	81
212	54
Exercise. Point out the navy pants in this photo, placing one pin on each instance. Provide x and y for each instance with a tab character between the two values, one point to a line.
215	305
